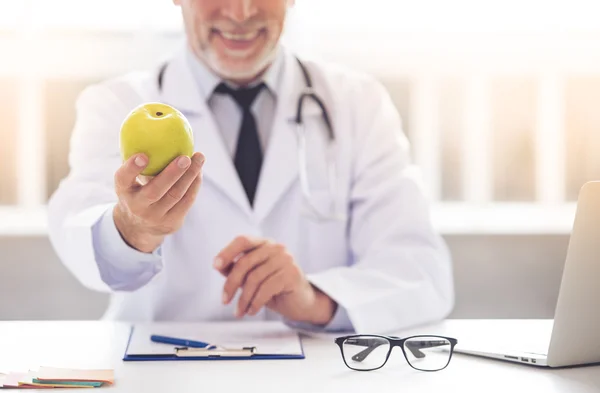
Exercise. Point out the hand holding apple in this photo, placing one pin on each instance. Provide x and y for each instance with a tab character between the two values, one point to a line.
156	140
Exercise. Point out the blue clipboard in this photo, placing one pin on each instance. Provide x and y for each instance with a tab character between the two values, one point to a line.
175	355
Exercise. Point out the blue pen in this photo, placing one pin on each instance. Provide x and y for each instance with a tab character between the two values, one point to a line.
180	342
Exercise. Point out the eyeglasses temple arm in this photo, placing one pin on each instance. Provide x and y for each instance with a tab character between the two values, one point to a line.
371	344
415	346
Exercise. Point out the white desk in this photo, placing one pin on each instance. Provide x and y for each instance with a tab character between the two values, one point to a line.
26	345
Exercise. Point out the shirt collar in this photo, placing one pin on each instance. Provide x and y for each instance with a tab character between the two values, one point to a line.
208	81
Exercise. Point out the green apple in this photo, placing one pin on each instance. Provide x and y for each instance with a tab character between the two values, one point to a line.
159	131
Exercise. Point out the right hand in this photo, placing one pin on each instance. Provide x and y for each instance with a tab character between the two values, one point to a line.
146	213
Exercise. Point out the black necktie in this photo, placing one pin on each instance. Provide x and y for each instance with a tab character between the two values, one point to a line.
248	154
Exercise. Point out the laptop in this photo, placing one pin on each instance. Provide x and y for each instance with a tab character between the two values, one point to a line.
573	337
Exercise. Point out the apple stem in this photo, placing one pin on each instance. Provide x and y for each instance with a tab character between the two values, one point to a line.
159	113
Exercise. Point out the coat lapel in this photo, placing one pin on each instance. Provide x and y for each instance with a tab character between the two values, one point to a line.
180	90
280	165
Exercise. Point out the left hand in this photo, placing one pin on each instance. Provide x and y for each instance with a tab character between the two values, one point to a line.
268	276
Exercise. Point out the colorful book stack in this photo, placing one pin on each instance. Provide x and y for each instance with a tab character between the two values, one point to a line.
49	377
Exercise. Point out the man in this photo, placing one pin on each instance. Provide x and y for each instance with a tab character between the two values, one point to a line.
226	233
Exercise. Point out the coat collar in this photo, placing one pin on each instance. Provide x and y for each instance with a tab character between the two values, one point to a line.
179	89
280	165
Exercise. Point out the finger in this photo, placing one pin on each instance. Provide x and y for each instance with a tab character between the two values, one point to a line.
126	175
243	266
184	205
143	180
241	244
271	287
179	189
160	184
249	256
253	281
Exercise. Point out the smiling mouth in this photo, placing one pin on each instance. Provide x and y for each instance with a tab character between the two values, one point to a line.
239	42
252	35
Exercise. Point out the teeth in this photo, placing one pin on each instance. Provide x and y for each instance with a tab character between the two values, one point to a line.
240	37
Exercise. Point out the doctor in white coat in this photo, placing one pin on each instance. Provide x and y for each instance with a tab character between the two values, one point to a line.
252	226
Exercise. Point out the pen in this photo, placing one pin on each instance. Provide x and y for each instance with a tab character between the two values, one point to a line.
180	342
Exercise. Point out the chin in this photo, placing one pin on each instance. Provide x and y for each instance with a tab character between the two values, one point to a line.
239	67
239	72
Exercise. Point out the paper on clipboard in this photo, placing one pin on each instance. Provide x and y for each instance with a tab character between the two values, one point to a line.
269	337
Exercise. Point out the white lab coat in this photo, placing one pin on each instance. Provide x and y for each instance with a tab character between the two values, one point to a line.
384	265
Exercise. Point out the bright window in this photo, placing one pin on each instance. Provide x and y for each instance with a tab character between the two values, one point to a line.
497	97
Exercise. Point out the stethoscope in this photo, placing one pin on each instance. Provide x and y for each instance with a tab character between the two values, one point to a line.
308	94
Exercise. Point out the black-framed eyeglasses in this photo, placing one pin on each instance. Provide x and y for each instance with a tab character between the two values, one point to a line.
371	352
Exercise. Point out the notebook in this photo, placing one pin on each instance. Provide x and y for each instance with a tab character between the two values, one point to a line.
269	340
75	377
49	377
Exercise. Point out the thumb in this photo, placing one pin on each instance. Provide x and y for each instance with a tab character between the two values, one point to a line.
126	175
